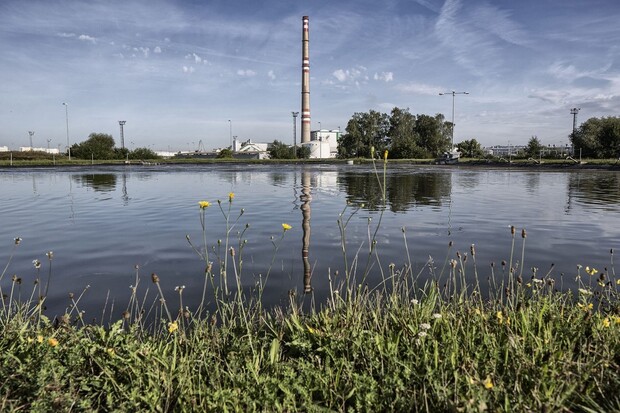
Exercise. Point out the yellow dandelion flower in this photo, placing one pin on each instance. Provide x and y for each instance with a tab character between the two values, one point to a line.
618	281
488	384
591	271
30	340
286	227
110	351
172	327
617	319
39	339
500	316
606	322
231	196
52	342
204	204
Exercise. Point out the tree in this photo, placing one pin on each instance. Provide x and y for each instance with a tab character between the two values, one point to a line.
225	154
280	150
303	152
403	136
598	138
97	146
143	153
470	148
364	130
533	148
433	134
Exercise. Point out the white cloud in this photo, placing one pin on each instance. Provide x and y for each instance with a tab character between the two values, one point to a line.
144	50
355	76
419	89
246	73
86	38
271	75
157	49
66	34
188	69
197	59
385	76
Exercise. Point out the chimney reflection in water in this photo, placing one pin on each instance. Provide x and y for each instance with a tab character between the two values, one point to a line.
305	198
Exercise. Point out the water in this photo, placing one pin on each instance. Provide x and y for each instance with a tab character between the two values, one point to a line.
101	222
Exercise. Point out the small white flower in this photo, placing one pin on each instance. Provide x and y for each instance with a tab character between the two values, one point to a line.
415	302
584	292
537	281
436	316
425	326
36	263
422	334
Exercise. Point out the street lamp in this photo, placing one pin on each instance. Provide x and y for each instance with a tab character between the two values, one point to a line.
295	133
67	119
453	93
122	123
231	141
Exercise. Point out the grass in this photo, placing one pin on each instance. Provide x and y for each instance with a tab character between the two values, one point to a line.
426	341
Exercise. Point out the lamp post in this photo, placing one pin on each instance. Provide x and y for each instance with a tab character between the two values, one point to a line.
453	93
31	133
295	133
122	123
230	130
67	120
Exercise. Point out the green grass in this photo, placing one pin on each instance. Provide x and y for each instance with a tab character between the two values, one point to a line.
406	349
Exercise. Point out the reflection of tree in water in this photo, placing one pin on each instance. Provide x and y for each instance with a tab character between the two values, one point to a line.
99	182
279	178
402	190
595	188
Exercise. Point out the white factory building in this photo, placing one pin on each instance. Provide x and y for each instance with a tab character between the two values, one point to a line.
323	143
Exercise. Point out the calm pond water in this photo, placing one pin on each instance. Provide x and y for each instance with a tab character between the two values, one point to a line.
101	222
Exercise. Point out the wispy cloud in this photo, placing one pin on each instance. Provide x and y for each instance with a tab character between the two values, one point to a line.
475	34
246	73
419	89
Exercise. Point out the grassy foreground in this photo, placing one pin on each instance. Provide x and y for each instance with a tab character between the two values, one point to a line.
405	348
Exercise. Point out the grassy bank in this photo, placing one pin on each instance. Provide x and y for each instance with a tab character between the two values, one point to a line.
403	349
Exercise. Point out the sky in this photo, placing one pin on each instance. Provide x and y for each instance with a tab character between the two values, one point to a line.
182	73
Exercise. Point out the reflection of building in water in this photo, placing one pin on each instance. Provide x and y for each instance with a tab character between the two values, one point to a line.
306	198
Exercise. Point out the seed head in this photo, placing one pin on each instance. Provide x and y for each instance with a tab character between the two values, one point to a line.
155	278
512	230
523	233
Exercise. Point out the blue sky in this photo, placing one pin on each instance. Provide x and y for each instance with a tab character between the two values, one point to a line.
178	71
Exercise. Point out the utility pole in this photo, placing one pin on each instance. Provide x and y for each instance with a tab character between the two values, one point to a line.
295	133
66	105
31	133
122	123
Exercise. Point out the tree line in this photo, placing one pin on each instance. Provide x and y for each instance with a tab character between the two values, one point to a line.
101	146
598	138
405	135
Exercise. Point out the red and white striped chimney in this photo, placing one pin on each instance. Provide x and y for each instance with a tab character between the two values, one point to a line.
305	83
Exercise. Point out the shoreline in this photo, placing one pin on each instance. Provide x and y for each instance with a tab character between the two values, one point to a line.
468	163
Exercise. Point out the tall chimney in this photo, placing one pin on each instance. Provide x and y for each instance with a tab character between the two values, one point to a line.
305	84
